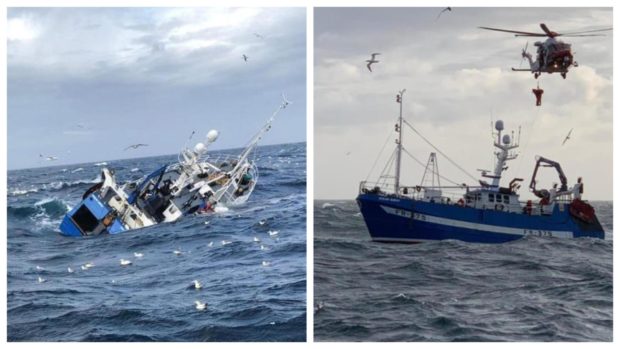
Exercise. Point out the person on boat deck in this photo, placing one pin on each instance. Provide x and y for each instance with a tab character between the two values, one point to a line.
578	189
553	192
207	203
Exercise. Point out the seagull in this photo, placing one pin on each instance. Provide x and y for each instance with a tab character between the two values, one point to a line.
259	36
262	247
211	244
224	242
38	268
41	280
256	239
200	305
444	10
567	136
266	264
125	262
262	222
273	233
138	254
197	284
207	223
285	102
69	270
177	252
372	60
245	58
49	158
87	266
136	146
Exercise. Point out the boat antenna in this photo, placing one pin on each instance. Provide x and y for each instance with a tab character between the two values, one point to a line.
259	135
399	140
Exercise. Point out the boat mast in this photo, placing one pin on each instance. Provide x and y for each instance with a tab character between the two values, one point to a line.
399	145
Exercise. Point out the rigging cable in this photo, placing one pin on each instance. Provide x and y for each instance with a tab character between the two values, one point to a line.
379	155
439	151
423	165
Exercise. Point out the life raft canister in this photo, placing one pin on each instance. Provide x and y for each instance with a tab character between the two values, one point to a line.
582	210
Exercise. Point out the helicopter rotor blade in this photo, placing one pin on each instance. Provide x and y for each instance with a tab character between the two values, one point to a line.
577	36
521	33
549	33
588	31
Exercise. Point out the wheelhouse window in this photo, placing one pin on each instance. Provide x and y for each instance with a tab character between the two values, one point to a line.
491	198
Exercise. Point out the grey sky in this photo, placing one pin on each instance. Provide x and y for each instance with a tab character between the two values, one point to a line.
456	76
84	83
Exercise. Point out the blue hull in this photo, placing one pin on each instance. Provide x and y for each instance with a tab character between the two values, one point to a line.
86	219
397	219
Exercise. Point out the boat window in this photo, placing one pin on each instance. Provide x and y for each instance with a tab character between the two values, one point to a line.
498	197
85	220
506	199
491	198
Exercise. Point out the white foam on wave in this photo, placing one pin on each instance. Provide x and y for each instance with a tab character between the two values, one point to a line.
79	169
220	209
135	170
101	163
327	205
18	192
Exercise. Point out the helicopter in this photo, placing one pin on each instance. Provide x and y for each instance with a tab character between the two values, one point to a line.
552	55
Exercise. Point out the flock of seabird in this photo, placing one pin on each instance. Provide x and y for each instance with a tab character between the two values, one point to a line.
196	284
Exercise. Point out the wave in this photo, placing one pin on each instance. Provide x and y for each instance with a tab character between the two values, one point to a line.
48	207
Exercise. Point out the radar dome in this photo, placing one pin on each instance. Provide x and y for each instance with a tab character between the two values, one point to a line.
499	125
212	136
200	148
506	139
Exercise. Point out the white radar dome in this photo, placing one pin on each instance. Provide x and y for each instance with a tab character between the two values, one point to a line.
499	125
506	139
212	136
200	148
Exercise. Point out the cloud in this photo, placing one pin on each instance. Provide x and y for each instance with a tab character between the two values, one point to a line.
458	79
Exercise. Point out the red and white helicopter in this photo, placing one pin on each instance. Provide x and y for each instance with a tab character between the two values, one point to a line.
552	55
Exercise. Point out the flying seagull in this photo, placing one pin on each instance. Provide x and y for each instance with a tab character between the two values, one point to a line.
48	158
259	36
245	58
567	136
372	60
285	102
136	146
444	10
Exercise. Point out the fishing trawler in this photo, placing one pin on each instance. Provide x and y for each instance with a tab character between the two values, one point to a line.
197	183
486	212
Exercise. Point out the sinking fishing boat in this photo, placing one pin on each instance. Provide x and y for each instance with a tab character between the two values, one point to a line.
196	183
485	212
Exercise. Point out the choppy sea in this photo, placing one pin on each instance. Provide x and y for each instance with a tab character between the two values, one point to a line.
255	291
532	289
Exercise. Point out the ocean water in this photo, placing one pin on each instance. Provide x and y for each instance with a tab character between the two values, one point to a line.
253	293
532	289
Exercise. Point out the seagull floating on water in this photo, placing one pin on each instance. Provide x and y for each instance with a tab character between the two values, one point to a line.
263	248
262	222
200	305
224	242
372	60
136	146
177	252
125	262
256	239
266	263
69	270
197	284
138	254
38	268
273	232
41	280
87	266
211	244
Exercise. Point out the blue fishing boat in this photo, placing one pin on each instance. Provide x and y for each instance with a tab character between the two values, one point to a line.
486	212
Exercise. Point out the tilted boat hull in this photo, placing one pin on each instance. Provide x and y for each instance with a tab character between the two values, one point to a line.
398	219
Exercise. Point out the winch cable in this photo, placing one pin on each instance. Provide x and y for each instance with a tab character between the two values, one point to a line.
527	141
424	165
440	152
379	155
